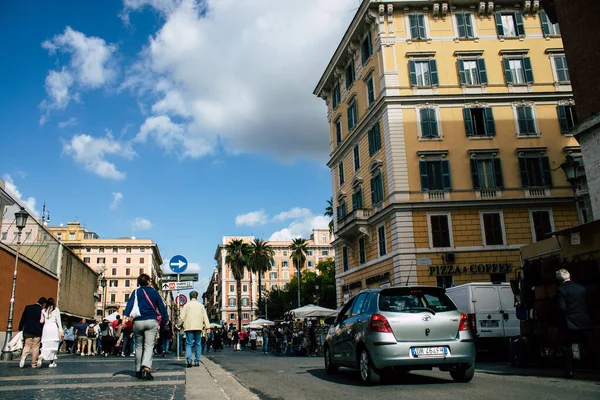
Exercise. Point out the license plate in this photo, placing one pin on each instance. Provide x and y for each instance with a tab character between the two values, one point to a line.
429	351
490	324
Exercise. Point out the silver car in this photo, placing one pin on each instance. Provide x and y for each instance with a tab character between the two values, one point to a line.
401	329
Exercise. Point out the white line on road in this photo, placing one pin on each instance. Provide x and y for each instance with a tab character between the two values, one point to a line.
127	384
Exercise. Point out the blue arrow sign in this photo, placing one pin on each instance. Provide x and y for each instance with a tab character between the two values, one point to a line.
178	264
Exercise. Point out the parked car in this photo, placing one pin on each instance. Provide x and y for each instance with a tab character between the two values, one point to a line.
490	308
400	329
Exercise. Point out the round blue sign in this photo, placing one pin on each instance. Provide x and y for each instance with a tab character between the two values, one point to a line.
178	264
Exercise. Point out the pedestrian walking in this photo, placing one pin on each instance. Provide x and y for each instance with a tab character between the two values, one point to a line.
252	336
106	338
575	321
209	339
52	333
265	338
229	338
93	331
145	326
127	349
69	339
81	336
167	335
194	321
31	326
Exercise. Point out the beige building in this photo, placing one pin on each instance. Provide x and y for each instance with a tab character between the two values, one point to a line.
119	260
221	293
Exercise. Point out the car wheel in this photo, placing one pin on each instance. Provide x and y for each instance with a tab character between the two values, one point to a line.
368	375
463	374
330	367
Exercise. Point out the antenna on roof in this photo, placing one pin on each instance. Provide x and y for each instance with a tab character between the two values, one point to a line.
45	215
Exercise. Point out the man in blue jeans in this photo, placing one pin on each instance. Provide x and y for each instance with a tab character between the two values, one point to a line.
194	321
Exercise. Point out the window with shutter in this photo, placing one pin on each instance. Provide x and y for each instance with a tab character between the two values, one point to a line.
374	139
486	173
366	48
562	71
429	125
509	24
345	258
381	240
377	189
492	229
548	28
542	224
535	171
350	74
464	24
335	96
567	118
526	120
370	90
338	131
356	152
440	230
357	199
420	74
417	26
435	175
362	251
352	115
341	173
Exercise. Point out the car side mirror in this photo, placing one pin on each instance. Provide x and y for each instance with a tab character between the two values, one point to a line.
329	320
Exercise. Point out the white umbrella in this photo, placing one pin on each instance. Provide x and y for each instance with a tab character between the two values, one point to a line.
261	322
312	311
112	316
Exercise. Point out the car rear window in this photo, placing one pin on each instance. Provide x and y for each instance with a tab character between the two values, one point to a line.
415	300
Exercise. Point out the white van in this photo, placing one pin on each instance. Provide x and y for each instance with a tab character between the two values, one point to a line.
490	308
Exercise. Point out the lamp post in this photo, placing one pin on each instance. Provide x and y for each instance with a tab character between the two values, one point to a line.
318	294
20	221
103	285
570	167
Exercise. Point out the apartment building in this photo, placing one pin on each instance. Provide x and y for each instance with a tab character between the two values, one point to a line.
120	261
224	285
449	121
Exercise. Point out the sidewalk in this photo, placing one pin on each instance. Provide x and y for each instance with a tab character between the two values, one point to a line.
209	381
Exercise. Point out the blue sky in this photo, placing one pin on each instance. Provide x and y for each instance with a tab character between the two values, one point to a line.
176	120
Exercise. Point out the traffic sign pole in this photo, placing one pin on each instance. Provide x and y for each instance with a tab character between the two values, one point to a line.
178	315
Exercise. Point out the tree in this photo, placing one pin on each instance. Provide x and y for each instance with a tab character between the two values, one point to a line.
237	258
260	261
299	249
329	213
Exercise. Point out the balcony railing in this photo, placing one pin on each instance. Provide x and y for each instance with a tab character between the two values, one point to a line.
488	193
360	214
537	192
437	195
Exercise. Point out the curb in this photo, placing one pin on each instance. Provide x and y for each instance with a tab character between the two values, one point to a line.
210	381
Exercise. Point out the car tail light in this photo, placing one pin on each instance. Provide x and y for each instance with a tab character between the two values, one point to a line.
464	323
379	323
473	323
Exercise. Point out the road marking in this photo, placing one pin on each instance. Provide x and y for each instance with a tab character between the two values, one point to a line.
127	384
82	376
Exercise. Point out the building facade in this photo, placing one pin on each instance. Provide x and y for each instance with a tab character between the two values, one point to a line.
120	261
449	121
224	288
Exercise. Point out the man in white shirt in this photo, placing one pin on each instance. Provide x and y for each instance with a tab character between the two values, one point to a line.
194	321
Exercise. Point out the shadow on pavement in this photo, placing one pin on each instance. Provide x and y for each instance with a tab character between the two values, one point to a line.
352	378
505	369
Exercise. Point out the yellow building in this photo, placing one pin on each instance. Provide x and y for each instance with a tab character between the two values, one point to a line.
221	298
449	121
120	261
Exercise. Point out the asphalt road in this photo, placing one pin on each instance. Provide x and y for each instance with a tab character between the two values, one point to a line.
290	378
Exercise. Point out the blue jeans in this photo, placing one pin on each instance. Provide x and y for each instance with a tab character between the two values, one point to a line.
166	345
192	340
265	344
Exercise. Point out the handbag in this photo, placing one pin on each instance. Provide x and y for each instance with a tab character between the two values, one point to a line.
135	310
158	316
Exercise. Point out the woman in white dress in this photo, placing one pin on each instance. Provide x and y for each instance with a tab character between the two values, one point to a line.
52	334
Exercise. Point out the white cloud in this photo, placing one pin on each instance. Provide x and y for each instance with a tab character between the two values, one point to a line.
301	228
141	224
91	152
247	88
91	66
293	213
70	122
117	197
252	218
29	203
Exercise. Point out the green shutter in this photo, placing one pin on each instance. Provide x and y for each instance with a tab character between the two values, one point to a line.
469	25
414	26
524	174
499	28
349	112
433	72
474	174
520	25
507	71
447	182
461	72
460	22
468	121
377	136
424	177
545	163
425	125
433	123
413	72
562	71
482	71
528	69
562	119
523	120
371	142
490	125
545	23
498	173
422	33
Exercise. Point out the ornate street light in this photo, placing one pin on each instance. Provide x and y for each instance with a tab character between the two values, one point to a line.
103	285
20	222
570	167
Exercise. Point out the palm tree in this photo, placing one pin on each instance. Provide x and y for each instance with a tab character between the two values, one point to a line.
298	248
237	258
260	261
329	213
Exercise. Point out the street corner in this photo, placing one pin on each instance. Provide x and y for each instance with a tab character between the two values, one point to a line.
209	380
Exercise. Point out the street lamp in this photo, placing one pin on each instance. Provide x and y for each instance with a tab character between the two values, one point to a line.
103	285
20	221
318	294
570	167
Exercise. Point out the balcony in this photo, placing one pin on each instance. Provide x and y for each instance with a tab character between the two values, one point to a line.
437	195
350	225
540	191
488	194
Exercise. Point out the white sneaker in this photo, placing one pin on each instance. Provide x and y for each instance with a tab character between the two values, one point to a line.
39	362
22	362
82	354
132	355
53	365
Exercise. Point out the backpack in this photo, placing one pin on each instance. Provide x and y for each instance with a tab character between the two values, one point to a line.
91	333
